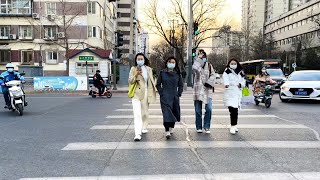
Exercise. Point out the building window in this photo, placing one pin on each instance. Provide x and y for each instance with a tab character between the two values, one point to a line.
25	32
51	32
5	56
26	57
51	8
15	7
81	68
4	32
52	57
92	7
92	31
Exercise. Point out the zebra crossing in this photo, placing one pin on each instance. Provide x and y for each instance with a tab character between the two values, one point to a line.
256	152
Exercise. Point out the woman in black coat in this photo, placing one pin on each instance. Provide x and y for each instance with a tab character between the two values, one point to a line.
170	87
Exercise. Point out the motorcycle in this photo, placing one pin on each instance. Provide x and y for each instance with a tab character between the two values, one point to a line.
17	96
94	92
265	97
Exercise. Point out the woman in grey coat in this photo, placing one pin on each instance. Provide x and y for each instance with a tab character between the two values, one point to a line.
170	88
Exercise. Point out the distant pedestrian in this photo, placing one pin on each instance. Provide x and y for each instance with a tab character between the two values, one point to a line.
170	88
204	78
234	81
144	94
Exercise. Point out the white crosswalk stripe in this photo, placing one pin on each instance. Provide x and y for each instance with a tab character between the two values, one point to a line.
257	121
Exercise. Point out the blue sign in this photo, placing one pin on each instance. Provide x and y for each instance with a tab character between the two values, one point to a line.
55	83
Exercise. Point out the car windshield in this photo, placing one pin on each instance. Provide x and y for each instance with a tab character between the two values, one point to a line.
305	76
275	72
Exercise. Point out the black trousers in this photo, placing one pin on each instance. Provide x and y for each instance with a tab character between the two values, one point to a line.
233	115
168	125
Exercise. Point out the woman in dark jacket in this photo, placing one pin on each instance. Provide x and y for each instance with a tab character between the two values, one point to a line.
170	87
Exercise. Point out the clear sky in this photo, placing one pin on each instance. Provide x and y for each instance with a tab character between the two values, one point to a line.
231	13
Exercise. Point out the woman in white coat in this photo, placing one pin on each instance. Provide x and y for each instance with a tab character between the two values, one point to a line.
234	81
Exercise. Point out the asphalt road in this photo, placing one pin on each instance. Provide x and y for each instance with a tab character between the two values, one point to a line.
77	136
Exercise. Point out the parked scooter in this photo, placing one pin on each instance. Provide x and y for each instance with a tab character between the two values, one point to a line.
17	96
265	97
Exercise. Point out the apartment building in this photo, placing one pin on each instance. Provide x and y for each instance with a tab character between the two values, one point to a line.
275	8
296	3
297	25
253	15
43	33
124	23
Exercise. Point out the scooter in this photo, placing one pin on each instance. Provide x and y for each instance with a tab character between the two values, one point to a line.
94	92
265	97
17	96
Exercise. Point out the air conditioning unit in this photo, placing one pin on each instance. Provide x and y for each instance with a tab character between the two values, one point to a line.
61	35
51	17
35	16
12	36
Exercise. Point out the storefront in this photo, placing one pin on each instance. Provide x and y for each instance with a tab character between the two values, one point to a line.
93	58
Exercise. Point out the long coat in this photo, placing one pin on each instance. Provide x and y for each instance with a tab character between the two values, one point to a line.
233	94
202	76
170	88
140	90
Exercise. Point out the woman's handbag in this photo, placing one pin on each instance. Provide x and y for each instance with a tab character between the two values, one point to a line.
245	92
132	87
132	90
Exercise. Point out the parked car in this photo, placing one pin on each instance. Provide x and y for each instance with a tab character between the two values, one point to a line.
278	76
301	85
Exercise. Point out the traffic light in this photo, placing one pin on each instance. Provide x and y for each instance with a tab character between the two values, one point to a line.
119	53
196	28
194	53
119	39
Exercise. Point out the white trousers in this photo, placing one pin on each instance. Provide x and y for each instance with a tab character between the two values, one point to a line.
140	113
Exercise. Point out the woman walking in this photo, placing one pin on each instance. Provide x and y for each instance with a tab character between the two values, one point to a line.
144	94
170	88
234	81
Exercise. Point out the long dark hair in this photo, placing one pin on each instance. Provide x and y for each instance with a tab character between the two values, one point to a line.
146	60
176	68
239	67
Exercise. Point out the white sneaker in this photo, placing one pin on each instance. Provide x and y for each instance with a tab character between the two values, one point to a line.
145	131
236	129
207	131
168	135
199	131
232	130
171	130
137	138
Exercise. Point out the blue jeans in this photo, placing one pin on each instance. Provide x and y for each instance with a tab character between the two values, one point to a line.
6	96
207	116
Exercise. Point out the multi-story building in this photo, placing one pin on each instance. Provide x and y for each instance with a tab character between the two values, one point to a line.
296	3
43	32
253	16
275	8
297	25
124	23
143	42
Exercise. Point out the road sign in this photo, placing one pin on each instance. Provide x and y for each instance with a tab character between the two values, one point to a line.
294	65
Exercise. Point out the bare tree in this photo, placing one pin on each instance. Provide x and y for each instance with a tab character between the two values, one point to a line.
205	14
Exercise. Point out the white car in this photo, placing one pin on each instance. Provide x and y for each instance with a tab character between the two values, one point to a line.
301	85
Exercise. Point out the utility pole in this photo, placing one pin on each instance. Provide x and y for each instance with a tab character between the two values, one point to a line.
131	34
190	37
173	40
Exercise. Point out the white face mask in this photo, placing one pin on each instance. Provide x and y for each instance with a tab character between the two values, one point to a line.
10	69
233	66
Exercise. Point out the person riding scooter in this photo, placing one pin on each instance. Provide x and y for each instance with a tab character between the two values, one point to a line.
99	83
261	80
5	77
